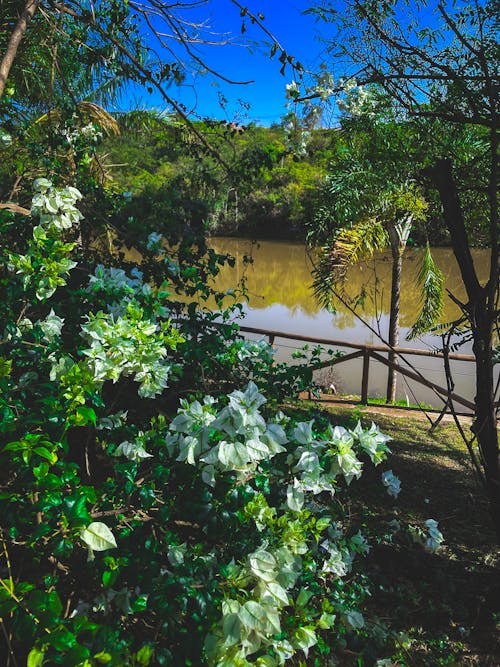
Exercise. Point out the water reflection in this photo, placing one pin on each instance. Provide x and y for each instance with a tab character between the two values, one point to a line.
280	298
281	274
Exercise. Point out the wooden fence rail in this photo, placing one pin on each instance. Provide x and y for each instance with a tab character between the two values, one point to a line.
368	352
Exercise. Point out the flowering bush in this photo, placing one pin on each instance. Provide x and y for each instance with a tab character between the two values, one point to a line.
134	533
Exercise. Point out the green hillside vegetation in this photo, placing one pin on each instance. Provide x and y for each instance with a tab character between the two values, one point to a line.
267	191
272	188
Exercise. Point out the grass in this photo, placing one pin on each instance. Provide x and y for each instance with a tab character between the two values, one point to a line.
380	400
446	606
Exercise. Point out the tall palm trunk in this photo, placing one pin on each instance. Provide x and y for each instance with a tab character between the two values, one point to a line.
397	264
398	236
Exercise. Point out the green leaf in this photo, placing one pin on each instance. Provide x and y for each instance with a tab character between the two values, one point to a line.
303	597
140	603
144	655
326	621
41	471
46	605
322	524
45	454
85	415
109	578
98	537
35	658
62	640
77	509
304	638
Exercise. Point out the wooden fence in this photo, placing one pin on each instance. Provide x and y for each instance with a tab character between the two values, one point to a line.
375	352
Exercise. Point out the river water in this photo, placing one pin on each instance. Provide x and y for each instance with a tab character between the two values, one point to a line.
278	282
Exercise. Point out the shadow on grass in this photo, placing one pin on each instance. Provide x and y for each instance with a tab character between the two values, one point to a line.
448	603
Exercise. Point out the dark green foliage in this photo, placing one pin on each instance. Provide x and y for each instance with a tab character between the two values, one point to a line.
266	192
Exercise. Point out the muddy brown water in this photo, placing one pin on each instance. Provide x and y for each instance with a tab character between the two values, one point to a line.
278	283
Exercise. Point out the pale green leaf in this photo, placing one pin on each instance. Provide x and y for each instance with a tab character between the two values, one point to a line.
294	497
252	615
231	627
263	565
304	638
98	537
277	593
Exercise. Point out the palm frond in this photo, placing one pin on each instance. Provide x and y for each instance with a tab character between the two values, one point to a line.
99	116
359	242
89	111
351	245
431	282
324	279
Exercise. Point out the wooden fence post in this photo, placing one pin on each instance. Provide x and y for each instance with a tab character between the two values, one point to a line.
364	380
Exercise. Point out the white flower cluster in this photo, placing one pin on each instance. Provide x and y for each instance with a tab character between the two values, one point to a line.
431	541
357	100
320	462
250	349
237	439
89	133
153	242
325	85
51	326
133	451
292	90
247	439
435	537
110	279
5	138
128	346
392	483
121	289
47	260
55	206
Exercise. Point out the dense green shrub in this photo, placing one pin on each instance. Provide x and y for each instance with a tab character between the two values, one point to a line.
143	528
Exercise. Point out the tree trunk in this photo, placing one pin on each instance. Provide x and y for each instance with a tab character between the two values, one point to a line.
481	313
14	41
485	423
397	263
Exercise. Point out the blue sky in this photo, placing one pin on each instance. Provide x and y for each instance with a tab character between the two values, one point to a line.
298	34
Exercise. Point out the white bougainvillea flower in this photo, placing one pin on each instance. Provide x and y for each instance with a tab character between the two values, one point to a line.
98	537
133	451
51	326
435	537
392	483
153	241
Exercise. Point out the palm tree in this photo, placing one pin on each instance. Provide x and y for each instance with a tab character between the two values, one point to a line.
370	203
